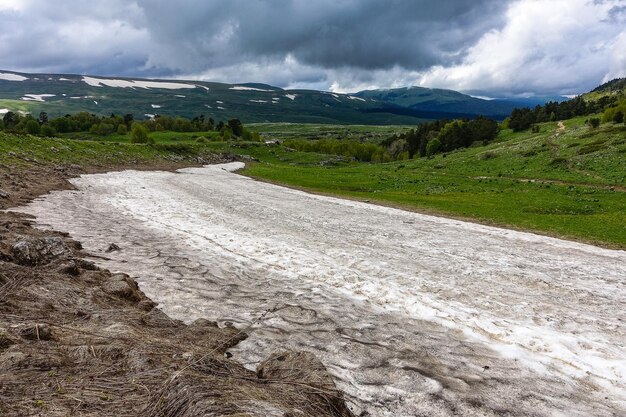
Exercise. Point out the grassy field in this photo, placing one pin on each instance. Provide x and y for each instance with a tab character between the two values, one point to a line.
571	184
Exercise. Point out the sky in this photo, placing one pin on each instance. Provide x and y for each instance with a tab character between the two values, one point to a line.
492	48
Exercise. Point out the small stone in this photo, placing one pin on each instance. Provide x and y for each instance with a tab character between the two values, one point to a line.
113	248
4	194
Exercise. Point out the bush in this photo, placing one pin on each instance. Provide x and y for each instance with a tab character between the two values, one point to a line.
139	134
47	131
122	129
618	117
594	122
432	147
32	127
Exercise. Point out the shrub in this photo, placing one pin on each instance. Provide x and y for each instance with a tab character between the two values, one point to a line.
32	127
487	155
594	122
139	134
122	129
48	131
432	147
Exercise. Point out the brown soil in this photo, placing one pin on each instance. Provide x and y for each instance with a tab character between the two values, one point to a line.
78	340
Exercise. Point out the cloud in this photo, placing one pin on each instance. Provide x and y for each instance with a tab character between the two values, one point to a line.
552	47
487	46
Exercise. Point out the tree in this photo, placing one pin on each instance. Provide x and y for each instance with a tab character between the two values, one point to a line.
32	127
47	131
618	117
10	120
139	134
432	147
236	127
121	129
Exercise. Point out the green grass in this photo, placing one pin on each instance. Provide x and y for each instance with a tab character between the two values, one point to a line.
284	131
25	150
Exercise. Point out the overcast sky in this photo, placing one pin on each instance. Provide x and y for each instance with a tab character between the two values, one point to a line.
486	47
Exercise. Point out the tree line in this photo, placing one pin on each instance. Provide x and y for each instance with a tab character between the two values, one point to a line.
117	124
525	118
442	136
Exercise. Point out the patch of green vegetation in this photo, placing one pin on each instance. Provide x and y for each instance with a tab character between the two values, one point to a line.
23	150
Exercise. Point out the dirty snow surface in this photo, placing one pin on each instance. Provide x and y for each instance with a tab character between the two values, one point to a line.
412	314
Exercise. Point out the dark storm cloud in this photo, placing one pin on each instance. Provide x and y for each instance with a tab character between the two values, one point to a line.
368	34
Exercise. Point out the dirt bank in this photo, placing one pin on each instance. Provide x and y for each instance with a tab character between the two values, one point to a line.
78	340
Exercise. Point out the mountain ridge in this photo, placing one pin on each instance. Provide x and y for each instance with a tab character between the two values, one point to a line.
59	94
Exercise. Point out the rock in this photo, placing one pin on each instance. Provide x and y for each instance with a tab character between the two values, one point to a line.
4	194
88	265
123	286
38	251
69	268
36	332
112	248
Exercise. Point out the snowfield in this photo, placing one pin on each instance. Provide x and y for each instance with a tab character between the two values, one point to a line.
100	82
412	314
244	88
11	77
37	97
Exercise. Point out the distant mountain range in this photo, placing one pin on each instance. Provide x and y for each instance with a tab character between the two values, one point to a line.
59	94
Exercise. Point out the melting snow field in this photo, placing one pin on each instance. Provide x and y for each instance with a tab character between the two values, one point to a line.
412	314
99	82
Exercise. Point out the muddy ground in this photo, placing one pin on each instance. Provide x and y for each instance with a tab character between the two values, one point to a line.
78	340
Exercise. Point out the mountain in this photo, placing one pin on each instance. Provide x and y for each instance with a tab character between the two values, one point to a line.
60	94
615	88
435	101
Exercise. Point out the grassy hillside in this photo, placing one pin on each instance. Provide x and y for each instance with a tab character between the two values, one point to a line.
614	88
447	103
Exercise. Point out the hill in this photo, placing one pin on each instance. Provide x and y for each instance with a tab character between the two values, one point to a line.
615	88
60	94
435	102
